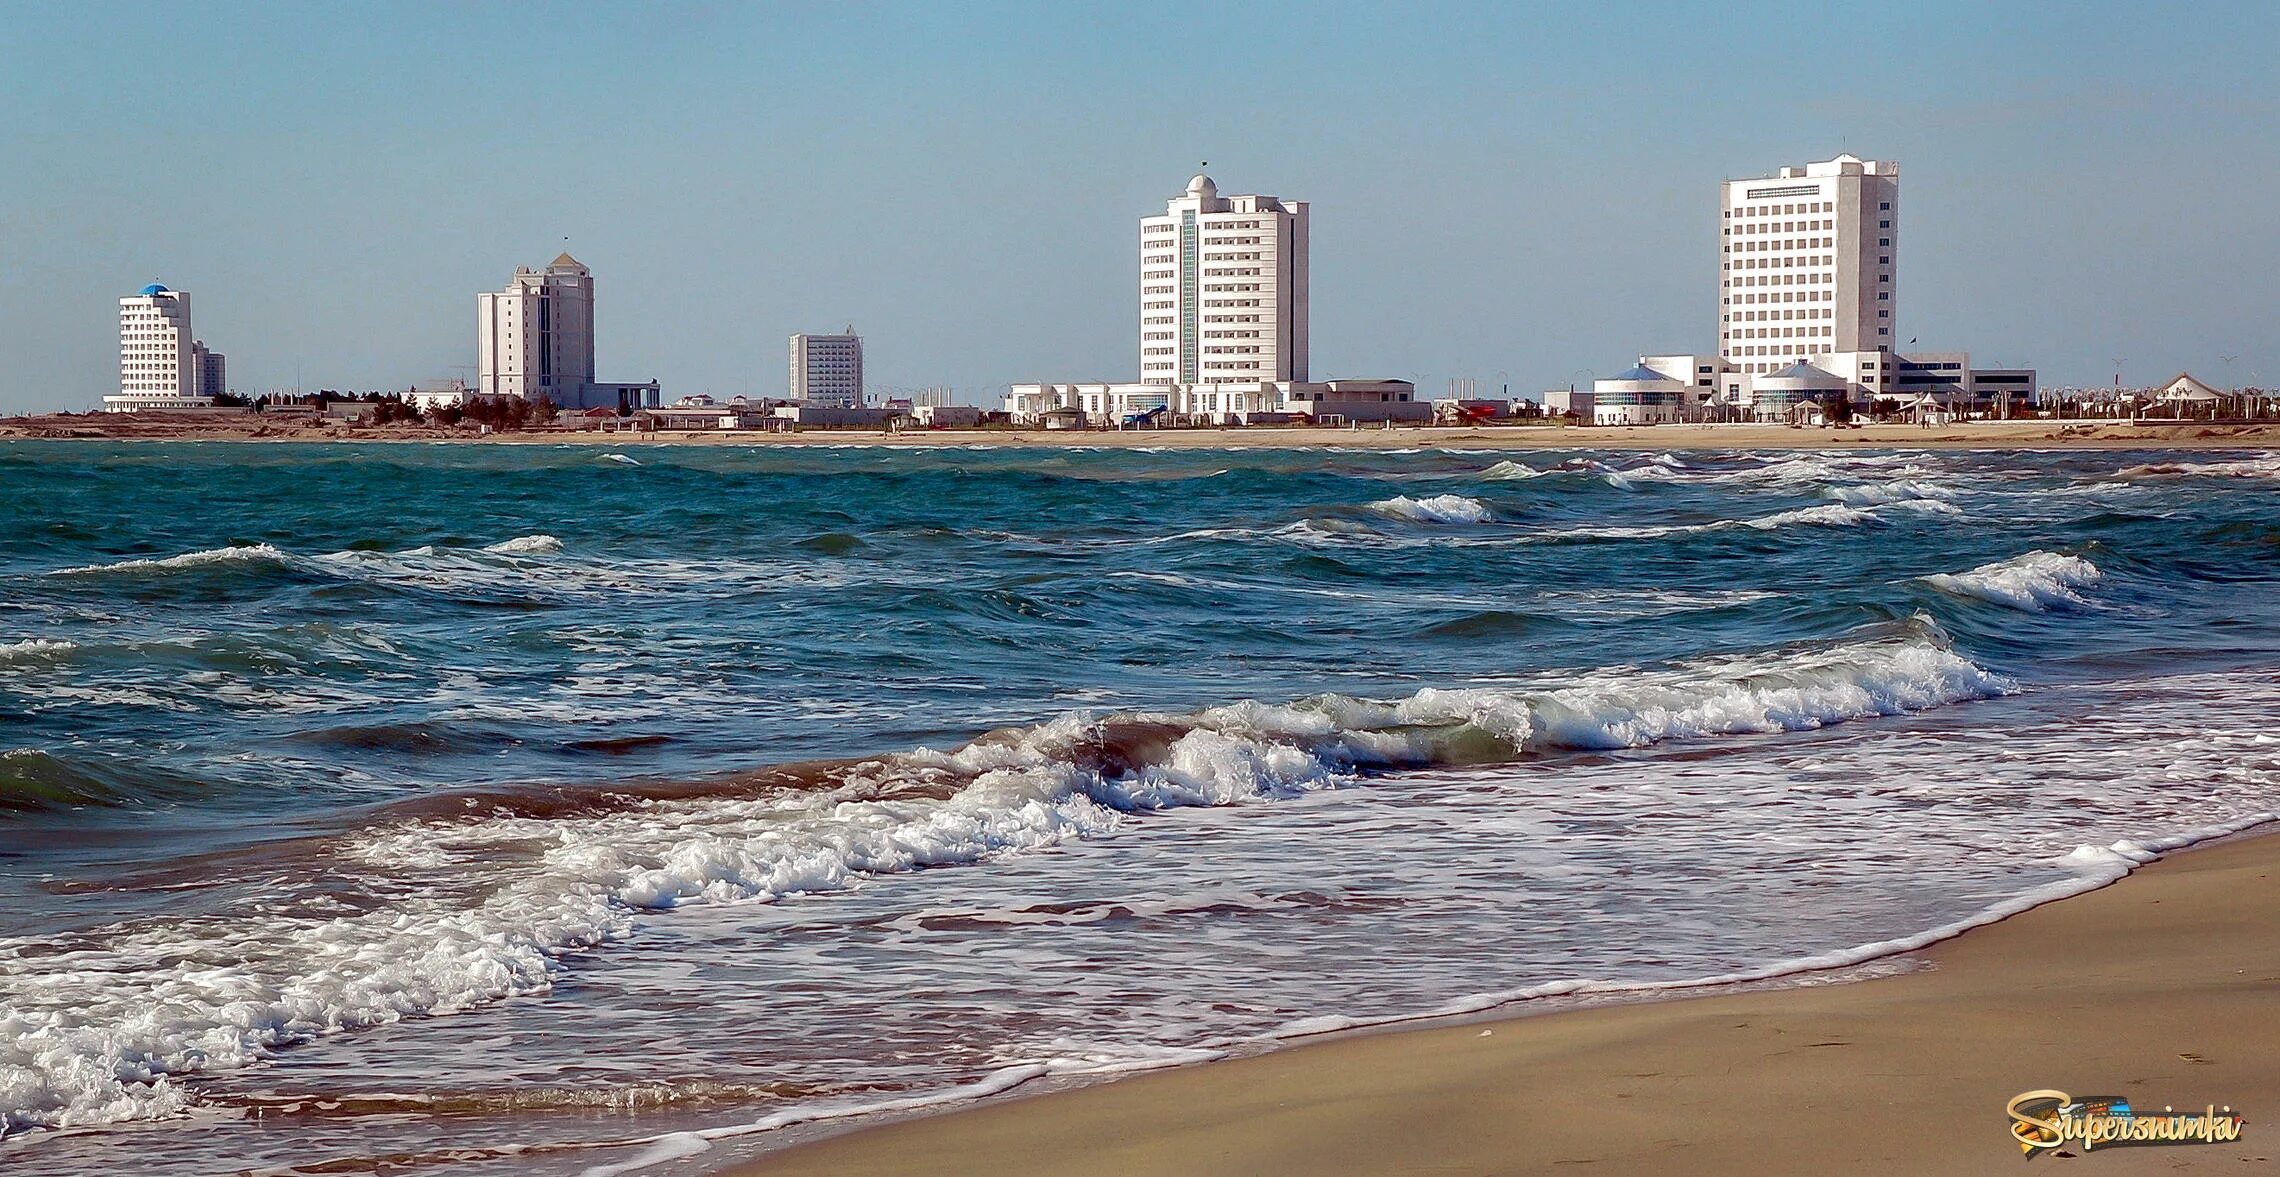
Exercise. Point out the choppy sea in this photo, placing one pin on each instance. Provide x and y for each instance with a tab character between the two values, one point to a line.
523	809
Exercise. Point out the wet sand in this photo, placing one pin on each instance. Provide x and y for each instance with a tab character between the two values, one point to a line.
2164	988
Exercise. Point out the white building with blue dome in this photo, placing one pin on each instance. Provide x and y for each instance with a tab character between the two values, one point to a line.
157	368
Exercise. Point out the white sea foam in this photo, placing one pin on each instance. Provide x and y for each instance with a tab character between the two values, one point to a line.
2264	465
1824	515
1898	490
247	554
2032	583
35	649
622	459
1510	471
100	1034
2091	867
527	545
1437	509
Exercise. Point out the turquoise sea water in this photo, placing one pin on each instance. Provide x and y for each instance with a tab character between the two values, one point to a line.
543	809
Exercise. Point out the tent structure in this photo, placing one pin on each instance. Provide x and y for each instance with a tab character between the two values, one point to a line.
2186	389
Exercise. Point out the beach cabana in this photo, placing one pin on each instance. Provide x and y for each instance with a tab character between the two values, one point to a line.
2187	396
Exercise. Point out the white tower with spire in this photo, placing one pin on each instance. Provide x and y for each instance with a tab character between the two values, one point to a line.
536	337
1223	288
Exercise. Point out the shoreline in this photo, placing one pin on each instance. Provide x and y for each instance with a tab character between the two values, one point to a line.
2153	986
1993	435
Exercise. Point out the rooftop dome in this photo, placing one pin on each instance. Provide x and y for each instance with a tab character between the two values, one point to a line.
1643	373
1801	375
1202	188
155	288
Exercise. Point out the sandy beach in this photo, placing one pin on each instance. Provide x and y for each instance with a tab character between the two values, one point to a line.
1971	435
2159	988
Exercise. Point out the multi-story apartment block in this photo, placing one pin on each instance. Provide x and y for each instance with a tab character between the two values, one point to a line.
1223	289
157	368
827	370
1806	264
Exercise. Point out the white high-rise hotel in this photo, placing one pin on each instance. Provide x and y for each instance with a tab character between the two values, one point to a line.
1224	305
1223	289
536	339
158	364
1806	264
827	370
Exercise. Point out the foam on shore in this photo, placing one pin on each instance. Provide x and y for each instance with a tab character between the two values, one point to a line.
104	1038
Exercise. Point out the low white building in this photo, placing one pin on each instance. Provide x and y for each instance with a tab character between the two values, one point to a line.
158	366
947	416
1263	402
1774	396
1639	396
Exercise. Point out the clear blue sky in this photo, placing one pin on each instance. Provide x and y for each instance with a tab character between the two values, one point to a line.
1498	189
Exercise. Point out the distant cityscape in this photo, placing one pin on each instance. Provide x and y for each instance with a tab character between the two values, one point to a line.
1807	332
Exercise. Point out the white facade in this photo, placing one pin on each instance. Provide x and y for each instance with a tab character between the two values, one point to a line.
1806	263
1223	289
157	366
1233	403
827	370
1642	396
536	337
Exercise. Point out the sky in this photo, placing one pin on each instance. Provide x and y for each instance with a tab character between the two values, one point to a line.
1521	194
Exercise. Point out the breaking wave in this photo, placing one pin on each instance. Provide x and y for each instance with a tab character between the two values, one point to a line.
1897	491
2032	583
1437	509
247	554
107	1038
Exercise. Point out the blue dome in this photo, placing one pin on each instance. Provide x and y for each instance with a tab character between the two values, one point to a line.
155	288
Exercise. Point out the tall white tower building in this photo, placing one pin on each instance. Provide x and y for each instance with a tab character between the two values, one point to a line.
156	367
827	370
536	337
1223	288
1806	265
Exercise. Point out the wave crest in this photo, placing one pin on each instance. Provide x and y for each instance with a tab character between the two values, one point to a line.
2032	583
166	998
1447	508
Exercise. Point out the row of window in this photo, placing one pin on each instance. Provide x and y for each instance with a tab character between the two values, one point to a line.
1784	243
1782	210
1782	227
1768	316
1783	296
1230	287
1230	335
1779	332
